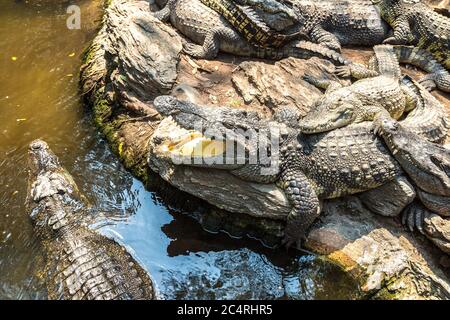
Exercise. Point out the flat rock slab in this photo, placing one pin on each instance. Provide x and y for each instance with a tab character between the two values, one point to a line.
136	58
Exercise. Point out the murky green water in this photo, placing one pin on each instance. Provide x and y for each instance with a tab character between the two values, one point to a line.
39	62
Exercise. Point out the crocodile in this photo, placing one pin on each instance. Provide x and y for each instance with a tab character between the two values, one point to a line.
416	23
332	23
79	262
381	89
336	23
310	168
437	77
427	164
205	26
362	100
244	20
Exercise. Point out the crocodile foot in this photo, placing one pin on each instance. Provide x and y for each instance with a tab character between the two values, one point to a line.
195	51
292	237
355	70
414	216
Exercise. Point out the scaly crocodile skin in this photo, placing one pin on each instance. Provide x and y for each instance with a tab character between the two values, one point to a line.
416	23
205	26
254	31
80	263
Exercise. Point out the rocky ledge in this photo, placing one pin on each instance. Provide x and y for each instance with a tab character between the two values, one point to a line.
135	58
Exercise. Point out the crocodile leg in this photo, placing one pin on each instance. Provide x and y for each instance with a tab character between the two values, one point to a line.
305	203
164	13
440	80
323	37
211	45
413	217
355	70
402	32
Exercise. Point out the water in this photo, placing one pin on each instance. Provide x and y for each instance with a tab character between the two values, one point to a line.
39	63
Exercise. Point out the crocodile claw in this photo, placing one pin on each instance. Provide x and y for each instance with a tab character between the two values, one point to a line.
414	216
194	50
393	41
343	71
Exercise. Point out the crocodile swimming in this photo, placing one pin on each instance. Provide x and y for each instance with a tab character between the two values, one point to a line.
416	23
381	89
213	33
310	168
79	262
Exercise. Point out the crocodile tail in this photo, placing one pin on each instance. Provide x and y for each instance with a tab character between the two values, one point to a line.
301	50
418	57
307	49
387	61
425	61
246	22
429	119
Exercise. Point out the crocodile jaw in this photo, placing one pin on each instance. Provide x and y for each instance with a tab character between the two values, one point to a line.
182	145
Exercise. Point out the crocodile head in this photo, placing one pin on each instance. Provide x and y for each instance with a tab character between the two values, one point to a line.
334	110
218	137
428	164
52	193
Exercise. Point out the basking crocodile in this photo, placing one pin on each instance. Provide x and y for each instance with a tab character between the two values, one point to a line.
362	100
80	263
248	24
437	77
205	26
342	22
380	90
309	168
416	23
427	164
332	23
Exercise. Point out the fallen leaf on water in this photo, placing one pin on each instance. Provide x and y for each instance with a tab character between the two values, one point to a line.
14	193
21	119
13	58
69	75
72	54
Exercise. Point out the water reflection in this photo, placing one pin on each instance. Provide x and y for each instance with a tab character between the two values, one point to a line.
39	63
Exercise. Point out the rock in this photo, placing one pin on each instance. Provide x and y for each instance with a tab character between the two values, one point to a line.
389	199
141	70
279	84
437	229
388	262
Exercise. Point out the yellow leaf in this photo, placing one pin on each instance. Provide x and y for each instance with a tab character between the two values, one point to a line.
69	75
15	193
14	58
21	119
120	149
72	54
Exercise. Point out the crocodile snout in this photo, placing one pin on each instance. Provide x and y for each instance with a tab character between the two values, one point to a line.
37	145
